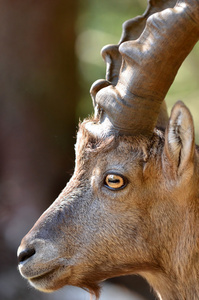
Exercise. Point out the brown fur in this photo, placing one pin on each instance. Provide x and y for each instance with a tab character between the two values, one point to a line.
150	227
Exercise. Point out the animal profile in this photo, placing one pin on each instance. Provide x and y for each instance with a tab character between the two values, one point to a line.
132	204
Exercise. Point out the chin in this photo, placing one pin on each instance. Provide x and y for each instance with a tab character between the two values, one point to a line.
46	281
57	279
43	285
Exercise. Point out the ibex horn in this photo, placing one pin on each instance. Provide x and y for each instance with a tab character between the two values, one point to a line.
132	29
131	104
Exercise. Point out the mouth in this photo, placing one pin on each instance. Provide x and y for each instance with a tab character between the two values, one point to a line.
41	276
41	282
46	278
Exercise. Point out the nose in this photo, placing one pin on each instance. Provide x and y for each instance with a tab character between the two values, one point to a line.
25	254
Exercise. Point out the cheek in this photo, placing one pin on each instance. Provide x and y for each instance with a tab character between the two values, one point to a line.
115	243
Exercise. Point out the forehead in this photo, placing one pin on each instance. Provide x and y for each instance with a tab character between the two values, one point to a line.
88	146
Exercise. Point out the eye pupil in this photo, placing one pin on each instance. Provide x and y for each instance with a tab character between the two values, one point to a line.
114	181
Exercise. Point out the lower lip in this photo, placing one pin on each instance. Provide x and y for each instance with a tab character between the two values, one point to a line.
39	282
40	277
36	276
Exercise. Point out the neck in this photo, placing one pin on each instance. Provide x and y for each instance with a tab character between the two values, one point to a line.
177	256
174	289
177	271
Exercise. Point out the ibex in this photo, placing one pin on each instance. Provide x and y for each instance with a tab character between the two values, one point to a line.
132	205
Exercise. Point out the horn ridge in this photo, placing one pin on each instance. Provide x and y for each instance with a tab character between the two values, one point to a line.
131	30
149	66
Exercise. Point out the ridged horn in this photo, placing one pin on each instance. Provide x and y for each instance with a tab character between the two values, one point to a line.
149	66
132	29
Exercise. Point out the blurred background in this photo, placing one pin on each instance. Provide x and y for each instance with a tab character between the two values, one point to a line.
49	57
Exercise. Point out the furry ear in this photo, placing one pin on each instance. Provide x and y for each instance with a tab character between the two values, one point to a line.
180	139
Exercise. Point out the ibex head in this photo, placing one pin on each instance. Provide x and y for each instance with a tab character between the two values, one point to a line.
131	205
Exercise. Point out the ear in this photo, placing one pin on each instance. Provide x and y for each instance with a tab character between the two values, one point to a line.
180	139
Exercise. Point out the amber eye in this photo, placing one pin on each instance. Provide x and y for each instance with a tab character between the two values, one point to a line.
115	181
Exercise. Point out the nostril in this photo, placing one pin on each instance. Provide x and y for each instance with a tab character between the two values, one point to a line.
25	254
